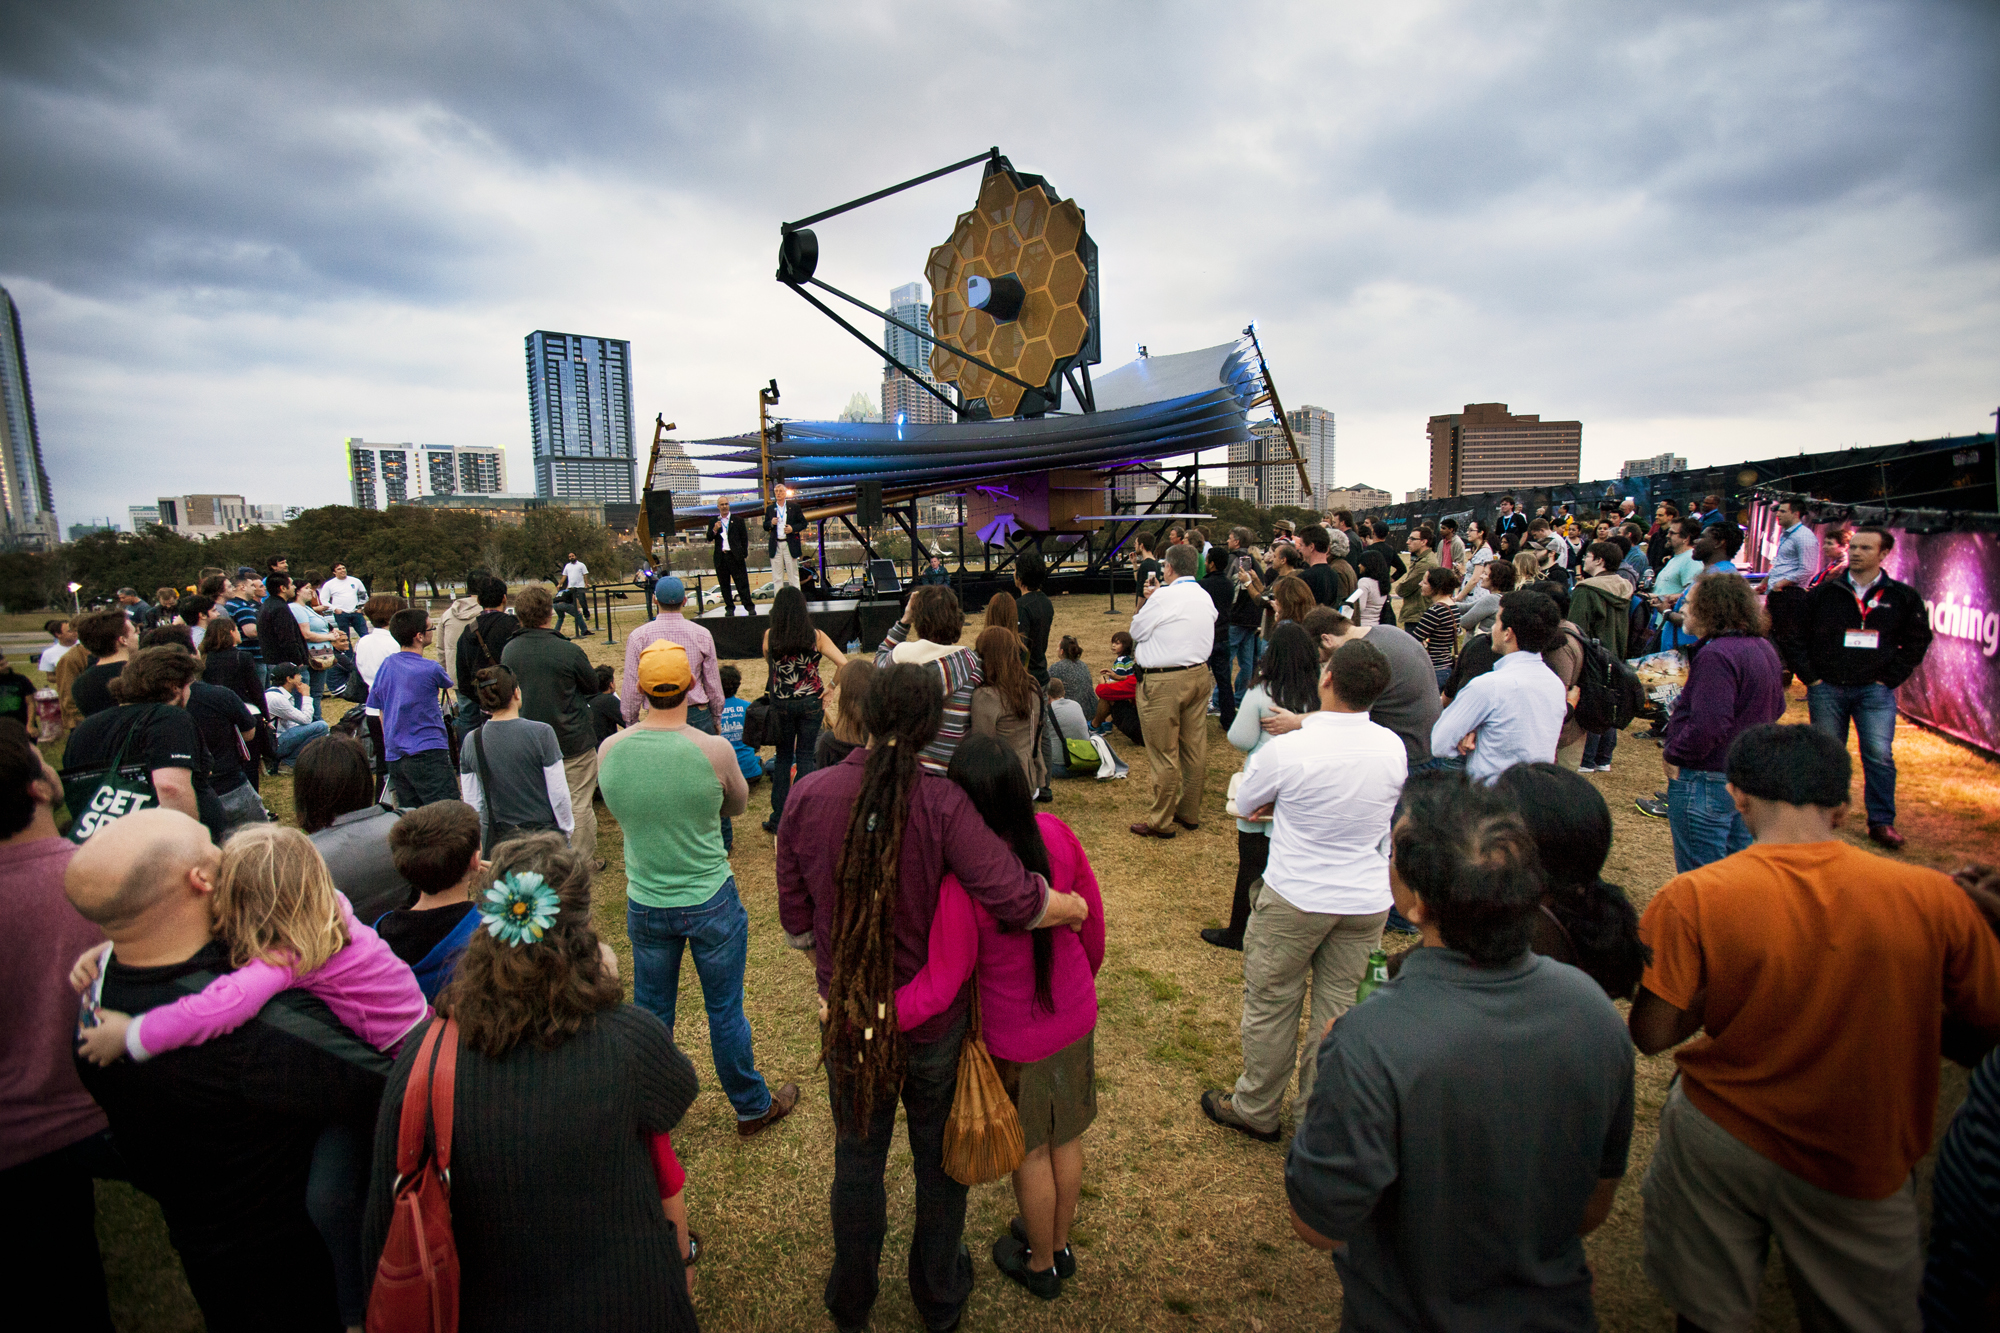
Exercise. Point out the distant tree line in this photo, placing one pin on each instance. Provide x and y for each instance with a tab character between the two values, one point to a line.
404	547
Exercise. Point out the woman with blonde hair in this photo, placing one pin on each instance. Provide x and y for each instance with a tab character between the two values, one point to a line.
286	925
1008	704
849	731
559	1090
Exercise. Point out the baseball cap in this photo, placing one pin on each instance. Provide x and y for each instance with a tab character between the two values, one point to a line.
664	670
670	590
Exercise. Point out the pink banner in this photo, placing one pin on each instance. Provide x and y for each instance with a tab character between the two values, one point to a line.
1957	689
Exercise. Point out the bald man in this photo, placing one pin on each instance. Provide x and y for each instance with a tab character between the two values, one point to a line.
222	1134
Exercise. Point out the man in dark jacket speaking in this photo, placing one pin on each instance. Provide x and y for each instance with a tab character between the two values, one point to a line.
1863	634
730	537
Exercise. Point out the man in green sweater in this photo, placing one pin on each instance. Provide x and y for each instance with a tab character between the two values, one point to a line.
1410	587
670	786
1601	605
557	681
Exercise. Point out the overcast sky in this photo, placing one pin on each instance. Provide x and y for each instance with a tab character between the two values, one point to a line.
239	233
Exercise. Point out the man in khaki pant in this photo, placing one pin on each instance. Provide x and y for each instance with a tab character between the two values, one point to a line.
1174	632
1330	789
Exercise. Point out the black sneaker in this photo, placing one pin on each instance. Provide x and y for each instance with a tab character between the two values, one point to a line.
1650	806
1010	1256
1065	1257
1221	938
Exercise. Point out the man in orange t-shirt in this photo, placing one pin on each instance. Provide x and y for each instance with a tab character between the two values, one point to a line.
1819	976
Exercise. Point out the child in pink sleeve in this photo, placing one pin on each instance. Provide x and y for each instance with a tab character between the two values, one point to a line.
286	925
370	990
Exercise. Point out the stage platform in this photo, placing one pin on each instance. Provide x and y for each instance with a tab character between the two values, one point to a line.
843	619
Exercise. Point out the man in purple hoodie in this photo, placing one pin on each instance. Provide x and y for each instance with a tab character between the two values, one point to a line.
1735	682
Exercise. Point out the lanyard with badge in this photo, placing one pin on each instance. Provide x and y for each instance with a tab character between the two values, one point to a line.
1864	637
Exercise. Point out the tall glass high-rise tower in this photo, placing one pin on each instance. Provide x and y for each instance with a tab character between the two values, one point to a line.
902	397
27	510
580	412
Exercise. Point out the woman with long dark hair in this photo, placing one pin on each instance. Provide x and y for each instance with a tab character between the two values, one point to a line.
793	648
1584	921
224	663
559	1090
1008	703
1287	677
1038	1009
1371	589
334	799
860	861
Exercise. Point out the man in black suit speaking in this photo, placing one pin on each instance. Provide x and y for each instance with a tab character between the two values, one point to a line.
731	539
782	522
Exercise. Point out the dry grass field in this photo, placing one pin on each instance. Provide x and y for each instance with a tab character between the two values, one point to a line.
1183	1225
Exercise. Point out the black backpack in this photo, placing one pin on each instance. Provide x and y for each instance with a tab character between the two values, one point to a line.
1611	695
760	723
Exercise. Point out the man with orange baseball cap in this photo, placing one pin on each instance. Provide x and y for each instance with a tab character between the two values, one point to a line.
671	786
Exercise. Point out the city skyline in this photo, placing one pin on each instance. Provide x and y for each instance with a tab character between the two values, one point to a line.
237	233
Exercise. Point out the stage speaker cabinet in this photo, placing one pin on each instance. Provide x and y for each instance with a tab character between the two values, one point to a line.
660	515
868	504
883	581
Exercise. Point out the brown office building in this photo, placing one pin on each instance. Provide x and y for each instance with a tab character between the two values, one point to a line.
1487	448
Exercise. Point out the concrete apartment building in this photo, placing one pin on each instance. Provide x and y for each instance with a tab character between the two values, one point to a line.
1488	448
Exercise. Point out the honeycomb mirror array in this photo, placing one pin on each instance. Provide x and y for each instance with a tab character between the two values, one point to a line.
1029	234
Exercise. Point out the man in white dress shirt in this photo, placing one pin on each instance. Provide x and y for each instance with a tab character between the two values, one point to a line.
1173	633
1330	790
782	522
1514	713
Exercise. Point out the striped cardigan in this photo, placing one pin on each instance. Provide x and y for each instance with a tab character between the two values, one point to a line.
957	667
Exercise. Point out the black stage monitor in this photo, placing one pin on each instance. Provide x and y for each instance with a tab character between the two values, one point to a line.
868	504
882	578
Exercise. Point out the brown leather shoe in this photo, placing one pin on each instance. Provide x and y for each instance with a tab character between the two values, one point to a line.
1189	824
1886	835
1148	831
782	1102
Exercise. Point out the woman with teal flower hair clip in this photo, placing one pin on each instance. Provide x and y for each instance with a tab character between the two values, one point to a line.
560	1093
519	909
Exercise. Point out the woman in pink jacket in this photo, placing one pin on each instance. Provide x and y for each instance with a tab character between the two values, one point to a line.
1038	1008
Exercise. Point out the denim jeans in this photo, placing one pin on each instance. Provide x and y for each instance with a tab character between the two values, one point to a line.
316	682
1597	749
353	624
574	610
421	779
798	733
1246	646
718	931
1873	711
940	1273
469	715
1704	821
290	741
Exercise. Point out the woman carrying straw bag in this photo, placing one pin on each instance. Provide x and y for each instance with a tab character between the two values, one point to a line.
863	850
1038	1008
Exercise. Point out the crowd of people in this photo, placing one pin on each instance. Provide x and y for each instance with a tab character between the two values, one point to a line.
260	1003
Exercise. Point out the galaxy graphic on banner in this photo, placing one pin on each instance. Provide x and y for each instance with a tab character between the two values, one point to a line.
1957	689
